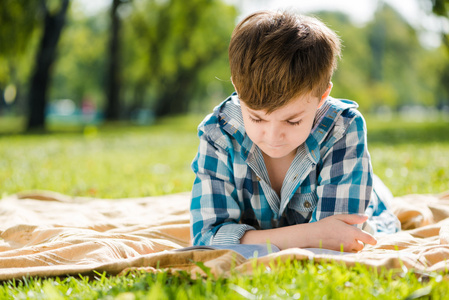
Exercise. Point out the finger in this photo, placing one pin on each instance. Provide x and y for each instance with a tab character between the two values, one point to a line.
358	246
353	247
366	238
352	219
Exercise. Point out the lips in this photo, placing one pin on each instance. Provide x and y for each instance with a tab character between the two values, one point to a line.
275	146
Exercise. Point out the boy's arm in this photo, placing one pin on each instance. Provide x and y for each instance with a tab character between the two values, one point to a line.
344	182
335	233
214	210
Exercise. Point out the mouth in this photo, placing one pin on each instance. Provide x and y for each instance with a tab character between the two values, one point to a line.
275	146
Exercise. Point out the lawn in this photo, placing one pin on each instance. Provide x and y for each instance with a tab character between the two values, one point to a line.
113	161
117	161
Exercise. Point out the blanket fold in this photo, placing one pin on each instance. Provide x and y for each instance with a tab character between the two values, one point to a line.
49	234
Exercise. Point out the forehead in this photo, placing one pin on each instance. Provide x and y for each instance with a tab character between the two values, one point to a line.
297	106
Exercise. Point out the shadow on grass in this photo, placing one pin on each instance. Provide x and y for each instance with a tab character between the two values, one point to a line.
396	133
12	126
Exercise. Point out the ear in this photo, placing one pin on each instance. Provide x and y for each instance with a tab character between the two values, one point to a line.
326	94
234	86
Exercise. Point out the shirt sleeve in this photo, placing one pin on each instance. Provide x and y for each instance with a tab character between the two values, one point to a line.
215	210
344	184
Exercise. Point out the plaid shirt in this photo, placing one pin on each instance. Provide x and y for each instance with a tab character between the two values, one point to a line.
330	174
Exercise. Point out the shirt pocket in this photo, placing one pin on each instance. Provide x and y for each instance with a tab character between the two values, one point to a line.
299	209
304	202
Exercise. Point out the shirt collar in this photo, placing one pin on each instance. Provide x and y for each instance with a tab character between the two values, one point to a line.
231	120
325	120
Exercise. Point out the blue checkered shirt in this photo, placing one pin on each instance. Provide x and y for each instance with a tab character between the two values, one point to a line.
330	174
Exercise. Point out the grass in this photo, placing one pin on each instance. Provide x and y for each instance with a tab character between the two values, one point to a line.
112	161
116	161
410	157
289	280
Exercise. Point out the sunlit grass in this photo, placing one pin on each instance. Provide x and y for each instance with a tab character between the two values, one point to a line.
115	161
410	169
410	157
287	280
109	162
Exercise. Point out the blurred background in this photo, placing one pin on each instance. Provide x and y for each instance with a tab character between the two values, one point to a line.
83	62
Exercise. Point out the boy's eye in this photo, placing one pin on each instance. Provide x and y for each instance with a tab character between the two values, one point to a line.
294	123
255	120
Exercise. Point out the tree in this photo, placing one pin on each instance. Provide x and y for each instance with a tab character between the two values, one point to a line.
82	63
54	20
170	43
441	8
384	63
113	80
396	52
19	20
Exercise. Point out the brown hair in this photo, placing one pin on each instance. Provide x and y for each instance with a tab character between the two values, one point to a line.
277	56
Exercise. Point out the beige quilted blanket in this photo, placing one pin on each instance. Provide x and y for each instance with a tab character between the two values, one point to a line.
49	234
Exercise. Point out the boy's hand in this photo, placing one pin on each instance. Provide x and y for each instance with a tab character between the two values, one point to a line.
336	233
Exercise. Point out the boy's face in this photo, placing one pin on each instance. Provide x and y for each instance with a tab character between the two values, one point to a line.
281	132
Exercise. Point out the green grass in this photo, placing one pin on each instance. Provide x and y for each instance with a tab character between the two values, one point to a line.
114	161
410	157
289	280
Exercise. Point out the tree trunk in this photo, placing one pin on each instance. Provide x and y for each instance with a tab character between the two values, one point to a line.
173	99
37	98
113	76
176	97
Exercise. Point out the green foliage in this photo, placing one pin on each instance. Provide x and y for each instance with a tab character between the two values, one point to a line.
170	47
384	64
168	51
79	71
441	8
18	19
174	51
19	24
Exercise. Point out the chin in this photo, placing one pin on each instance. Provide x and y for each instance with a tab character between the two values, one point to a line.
274	153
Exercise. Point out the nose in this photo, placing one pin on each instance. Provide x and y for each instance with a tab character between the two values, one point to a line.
274	133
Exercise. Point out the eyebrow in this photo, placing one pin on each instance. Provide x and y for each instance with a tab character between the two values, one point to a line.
293	116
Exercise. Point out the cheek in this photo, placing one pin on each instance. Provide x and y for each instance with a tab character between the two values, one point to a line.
251	129
254	133
304	132
298	134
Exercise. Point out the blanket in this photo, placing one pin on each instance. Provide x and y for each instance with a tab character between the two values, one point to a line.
49	234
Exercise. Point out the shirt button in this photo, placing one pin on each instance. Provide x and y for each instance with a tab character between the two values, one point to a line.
296	176
258	178
307	204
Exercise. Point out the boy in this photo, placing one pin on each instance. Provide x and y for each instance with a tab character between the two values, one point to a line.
280	160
